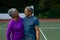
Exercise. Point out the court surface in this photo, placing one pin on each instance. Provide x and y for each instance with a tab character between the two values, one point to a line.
51	30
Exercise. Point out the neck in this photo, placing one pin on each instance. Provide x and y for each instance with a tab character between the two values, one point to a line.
29	16
15	19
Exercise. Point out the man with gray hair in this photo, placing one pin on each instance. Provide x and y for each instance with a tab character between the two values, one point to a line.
31	25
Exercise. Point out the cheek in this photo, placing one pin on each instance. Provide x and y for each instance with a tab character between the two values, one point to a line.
16	15
26	12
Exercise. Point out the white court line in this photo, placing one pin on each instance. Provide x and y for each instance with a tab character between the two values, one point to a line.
43	34
3	25
50	27
41	27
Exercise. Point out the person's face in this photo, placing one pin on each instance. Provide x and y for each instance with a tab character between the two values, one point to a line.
27	12
16	14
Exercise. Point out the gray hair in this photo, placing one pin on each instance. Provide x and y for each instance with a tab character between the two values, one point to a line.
12	11
29	8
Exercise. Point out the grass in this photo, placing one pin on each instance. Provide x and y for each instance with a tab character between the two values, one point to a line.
48	29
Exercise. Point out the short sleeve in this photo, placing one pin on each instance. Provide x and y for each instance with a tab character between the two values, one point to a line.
36	22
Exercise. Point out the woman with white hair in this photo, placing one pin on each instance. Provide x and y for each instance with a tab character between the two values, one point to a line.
31	25
15	29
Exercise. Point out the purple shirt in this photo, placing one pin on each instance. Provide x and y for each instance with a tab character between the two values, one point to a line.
15	30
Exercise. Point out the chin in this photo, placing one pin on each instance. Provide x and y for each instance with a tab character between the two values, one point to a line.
17	17
26	16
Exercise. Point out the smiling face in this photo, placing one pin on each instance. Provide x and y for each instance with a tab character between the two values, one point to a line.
27	12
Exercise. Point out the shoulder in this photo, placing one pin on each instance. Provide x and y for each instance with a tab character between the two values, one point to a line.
11	21
24	18
35	18
21	19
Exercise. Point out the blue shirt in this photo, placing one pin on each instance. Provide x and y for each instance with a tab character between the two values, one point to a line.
29	25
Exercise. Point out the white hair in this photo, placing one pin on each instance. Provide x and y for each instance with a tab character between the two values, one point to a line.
29	8
12	11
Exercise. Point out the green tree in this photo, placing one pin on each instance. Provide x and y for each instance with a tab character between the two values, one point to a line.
51	6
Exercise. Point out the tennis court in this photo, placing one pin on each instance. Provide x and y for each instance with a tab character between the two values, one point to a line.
51	30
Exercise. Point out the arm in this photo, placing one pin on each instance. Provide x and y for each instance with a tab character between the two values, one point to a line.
9	30
37	32
37	29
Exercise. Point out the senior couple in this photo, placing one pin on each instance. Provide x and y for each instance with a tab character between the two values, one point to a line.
26	28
